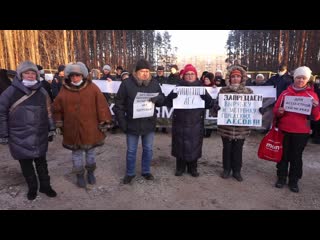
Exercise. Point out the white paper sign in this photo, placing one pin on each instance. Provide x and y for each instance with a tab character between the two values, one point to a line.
107	87
167	88
189	98
301	105
240	110
142	107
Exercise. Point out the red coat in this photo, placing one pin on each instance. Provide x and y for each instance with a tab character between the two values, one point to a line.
295	122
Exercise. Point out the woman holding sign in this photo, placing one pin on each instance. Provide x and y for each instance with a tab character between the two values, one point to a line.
292	110
233	137
188	124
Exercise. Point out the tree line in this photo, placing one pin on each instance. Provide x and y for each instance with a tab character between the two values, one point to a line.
264	50
95	48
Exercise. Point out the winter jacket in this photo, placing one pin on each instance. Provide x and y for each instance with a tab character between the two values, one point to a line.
79	110
27	126
234	132
123	107
280	82
295	122
188	127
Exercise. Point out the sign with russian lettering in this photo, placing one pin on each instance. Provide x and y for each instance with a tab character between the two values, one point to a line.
142	107
188	98
240	110
295	104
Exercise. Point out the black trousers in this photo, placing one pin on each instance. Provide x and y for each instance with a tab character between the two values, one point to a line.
232	154
293	146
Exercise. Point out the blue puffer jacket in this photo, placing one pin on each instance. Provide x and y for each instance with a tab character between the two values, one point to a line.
27	126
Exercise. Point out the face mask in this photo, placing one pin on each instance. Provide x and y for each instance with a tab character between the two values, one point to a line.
29	83
281	73
77	84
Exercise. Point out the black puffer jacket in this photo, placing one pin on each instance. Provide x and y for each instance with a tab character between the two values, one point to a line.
188	127
123	107
28	124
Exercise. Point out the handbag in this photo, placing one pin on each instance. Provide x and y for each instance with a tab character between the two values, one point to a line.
271	145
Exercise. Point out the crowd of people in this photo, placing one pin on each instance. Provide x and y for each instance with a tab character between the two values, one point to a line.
32	111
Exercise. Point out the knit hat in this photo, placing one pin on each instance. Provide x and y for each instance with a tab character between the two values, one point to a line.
142	64
218	71
210	76
260	75
160	68
188	68
124	72
76	68
303	71
27	66
106	67
235	72
61	68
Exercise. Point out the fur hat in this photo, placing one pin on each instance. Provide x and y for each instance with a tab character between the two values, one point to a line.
237	69
142	64
106	67
303	71
188	68
78	68
27	66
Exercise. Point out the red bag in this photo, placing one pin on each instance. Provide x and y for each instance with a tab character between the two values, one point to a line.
271	146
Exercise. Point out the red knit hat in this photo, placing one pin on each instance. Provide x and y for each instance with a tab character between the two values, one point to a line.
190	67
235	72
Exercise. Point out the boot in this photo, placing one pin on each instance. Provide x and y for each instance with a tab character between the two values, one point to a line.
293	185
180	167
281	182
193	169
32	187
81	182
225	174
90	173
237	175
44	178
127	179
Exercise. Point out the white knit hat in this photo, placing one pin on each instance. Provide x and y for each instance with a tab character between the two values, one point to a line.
106	67
303	71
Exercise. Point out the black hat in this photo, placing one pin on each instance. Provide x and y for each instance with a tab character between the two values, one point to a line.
160	68
142	64
61	68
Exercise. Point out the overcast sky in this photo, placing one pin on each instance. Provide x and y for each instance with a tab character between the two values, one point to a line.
199	42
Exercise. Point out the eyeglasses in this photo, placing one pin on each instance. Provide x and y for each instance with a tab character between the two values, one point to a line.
190	74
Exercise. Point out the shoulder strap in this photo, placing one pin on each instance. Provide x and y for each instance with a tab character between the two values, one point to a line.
22	99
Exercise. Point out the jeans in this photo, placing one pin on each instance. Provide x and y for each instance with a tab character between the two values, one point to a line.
232	154
132	146
77	158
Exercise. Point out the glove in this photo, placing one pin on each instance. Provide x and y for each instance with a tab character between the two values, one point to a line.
154	99
50	135
262	110
173	95
4	141
203	97
216	108
104	127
